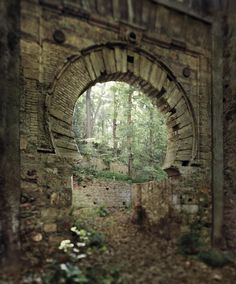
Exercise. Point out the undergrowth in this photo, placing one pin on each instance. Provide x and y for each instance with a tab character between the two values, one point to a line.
88	173
216	258
103	211
191	245
83	243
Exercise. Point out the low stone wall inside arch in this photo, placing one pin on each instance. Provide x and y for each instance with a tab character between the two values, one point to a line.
169	210
108	194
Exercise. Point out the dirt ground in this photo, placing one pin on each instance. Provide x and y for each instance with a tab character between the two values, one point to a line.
135	256
143	258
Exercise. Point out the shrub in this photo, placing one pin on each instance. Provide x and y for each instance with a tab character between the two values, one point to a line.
216	258
89	236
189	244
96	240
113	176
66	273
101	275
84	173
103	211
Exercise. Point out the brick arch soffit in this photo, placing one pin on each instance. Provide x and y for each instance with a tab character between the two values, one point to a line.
121	62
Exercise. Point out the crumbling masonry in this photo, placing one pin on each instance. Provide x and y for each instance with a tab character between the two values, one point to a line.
181	55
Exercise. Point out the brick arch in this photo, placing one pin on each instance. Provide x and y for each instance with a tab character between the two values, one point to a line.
120	62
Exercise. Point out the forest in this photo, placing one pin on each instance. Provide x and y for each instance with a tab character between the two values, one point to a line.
116	122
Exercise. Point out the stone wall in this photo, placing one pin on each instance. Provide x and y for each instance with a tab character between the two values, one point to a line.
170	209
67	46
229	85
54	34
101	193
11	88
155	198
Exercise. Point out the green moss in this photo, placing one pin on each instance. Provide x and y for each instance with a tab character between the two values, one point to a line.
216	258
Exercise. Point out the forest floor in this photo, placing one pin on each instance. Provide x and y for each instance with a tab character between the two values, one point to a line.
142	258
134	256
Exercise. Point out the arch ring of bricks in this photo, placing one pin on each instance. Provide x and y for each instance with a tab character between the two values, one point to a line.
120	62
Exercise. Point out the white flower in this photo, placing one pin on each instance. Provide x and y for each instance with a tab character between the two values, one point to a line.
65	245
80	256
75	230
81	244
75	250
63	267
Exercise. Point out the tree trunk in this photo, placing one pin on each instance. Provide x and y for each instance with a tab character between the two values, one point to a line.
129	135
11	89
114	126
151	136
88	114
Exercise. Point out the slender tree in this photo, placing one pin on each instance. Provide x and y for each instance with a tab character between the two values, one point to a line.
151	134
114	126
88	114
125	125
129	133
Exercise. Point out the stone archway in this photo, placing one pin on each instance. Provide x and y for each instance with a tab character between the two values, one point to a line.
120	62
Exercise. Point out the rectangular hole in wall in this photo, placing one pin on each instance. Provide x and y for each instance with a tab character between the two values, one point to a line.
161	93
169	77
185	163
173	111
176	127
130	59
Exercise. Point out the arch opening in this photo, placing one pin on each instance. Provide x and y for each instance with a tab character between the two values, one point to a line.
137	68
122	139
118	129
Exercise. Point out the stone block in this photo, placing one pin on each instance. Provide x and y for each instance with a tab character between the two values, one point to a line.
50	228
191	208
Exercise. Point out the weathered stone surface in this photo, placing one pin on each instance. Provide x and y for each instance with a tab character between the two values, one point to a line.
37	237
55	75
11	89
229	88
97	194
50	228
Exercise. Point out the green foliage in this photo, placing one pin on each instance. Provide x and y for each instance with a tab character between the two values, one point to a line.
216	258
66	273
94	239
84	173
103	276
192	245
189	244
112	176
103	211
89	173
146	129
149	173
84	241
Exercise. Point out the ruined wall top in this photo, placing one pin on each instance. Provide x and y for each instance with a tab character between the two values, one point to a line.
141	13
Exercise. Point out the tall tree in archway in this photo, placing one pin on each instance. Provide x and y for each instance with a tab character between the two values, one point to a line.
114	124
129	132
88	114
